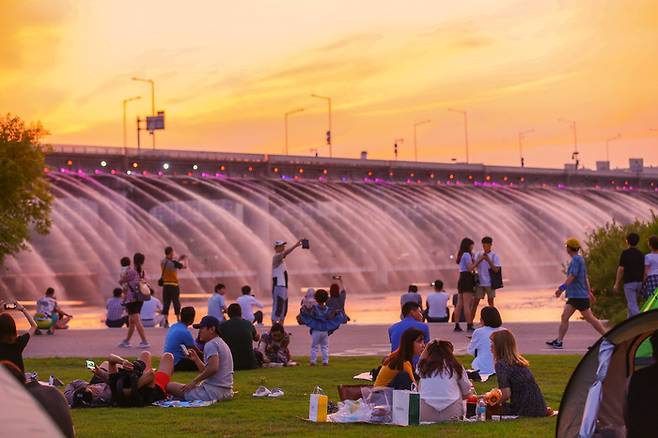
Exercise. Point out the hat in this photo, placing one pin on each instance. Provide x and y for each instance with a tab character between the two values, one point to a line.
279	243
207	321
572	242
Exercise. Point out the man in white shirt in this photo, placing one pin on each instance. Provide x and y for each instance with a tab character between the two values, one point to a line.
280	281
247	303
216	303
437	304
485	261
150	314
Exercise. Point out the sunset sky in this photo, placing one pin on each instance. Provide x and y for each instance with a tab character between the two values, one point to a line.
227	71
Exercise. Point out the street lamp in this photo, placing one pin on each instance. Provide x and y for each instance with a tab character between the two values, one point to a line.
422	122
607	146
465	128
328	99
572	125
285	124
395	146
522	135
150	81
125	141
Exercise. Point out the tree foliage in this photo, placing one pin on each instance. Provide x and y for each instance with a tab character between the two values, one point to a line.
604	246
25	198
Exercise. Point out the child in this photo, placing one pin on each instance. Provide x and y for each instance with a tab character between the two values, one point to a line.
273	347
308	302
115	317
320	338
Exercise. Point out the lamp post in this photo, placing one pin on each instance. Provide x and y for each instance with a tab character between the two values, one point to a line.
150	81
125	141
465	114
422	122
572	125
607	146
522	135
328	99
285	125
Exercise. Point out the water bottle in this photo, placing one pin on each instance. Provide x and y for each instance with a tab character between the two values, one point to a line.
481	410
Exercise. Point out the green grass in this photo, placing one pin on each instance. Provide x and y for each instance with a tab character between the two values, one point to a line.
248	416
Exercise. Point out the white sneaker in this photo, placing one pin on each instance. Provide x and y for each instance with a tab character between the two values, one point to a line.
276	392
124	344
144	344
262	392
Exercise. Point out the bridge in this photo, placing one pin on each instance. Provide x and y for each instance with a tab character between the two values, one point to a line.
114	160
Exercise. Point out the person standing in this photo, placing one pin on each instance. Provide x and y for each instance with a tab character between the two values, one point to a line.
437	304
169	282
578	294
651	267
630	273
486	261
280	280
216	303
466	283
129	281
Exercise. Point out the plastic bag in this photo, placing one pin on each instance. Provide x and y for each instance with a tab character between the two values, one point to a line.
351	411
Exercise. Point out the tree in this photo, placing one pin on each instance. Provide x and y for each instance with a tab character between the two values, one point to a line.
25	198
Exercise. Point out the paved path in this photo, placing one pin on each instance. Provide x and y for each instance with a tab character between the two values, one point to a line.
349	340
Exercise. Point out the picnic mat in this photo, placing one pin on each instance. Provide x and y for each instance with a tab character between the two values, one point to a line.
183	403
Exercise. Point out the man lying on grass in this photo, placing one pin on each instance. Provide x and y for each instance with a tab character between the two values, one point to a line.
215	382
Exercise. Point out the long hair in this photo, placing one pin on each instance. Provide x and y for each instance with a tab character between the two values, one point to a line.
440	359
405	352
334	290
464	246
138	261
504	349
7	329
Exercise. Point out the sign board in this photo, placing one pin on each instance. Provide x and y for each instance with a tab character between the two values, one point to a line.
636	164
602	165
155	122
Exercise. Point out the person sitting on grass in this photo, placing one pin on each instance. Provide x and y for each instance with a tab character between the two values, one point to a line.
247	302
48	314
480	345
179	334
11	344
443	383
215	382
516	382
273	347
151	312
239	334
413	317
52	401
116	315
135	383
397	370
216	303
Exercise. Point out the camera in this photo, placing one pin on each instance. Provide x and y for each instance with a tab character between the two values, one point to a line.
10	306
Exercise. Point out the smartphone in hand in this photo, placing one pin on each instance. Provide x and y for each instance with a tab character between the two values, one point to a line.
10	306
186	352
305	244
90	364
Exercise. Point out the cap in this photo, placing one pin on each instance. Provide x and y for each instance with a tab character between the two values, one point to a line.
572	242
207	321
279	243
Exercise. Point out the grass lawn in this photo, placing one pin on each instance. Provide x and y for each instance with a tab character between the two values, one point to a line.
248	416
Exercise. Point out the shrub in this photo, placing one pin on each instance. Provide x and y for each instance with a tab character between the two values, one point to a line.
604	246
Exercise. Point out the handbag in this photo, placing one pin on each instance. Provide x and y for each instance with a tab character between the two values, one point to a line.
161	279
496	278
144	290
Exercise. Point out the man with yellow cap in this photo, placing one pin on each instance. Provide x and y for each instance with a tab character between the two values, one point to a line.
577	292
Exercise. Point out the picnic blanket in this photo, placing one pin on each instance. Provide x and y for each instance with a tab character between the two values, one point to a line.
184	403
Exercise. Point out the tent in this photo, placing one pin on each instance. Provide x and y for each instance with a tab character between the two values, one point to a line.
593	401
20	414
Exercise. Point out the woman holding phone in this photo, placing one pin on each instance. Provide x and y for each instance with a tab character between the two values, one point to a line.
466	284
11	344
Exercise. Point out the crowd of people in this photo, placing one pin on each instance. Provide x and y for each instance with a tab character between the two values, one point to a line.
227	339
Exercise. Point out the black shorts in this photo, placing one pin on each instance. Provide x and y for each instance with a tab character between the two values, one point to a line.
579	303
466	283
134	307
